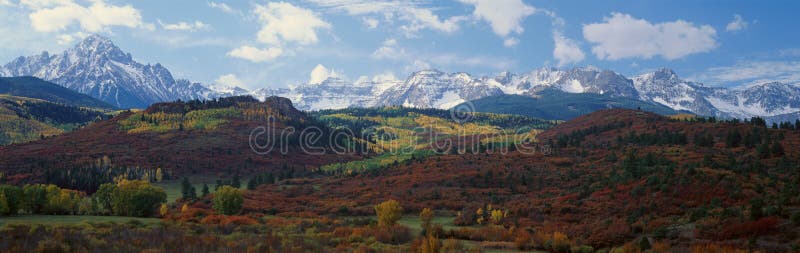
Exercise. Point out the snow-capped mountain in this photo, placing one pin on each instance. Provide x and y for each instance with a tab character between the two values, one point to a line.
433	88
332	93
664	87
766	100
769	99
97	67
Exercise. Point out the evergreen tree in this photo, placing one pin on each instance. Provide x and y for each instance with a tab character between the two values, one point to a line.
192	193
734	139
235	181
270	179
205	190
251	184
777	149
186	188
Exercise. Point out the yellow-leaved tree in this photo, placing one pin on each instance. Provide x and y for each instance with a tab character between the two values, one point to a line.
164	210
426	216
388	212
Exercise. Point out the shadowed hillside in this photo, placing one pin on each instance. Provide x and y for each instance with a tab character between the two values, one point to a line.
181	138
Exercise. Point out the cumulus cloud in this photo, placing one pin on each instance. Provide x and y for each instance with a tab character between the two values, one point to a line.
389	50
53	16
623	36
320	73
504	16
566	50
283	22
229	80
283	25
255	54
183	26
737	24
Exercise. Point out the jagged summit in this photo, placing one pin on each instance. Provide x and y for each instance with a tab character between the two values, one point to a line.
97	67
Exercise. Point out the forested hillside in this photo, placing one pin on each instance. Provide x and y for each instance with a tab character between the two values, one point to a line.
25	119
181	138
558	105
32	87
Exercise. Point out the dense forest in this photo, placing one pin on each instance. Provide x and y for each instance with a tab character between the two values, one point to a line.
25	119
613	181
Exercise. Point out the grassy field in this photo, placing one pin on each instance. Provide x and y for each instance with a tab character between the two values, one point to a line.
415	224
173	187
70	219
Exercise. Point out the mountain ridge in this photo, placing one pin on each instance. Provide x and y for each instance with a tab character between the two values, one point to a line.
97	67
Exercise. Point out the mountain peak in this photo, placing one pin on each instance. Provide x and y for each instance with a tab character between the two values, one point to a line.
428	72
99	45
95	41
665	73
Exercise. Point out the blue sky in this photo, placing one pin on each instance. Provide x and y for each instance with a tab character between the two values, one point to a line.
258	44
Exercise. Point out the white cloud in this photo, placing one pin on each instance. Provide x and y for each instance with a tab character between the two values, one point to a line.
67	39
363	7
752	72
52	16
183	26
384	77
623	36
504	16
566	50
420	18
417	65
221	6
389	50
470	61
736	24
416	17
321	73
6	3
284	22
282	25
510	42
255	54
387	76
229	80
370	23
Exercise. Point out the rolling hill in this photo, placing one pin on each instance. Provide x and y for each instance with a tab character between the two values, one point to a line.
181	138
614	177
559	105
32	87
27	119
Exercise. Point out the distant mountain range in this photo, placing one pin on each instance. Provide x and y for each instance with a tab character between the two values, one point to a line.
97	67
560	105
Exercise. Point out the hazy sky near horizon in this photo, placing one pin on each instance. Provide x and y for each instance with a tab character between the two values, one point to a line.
257	44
